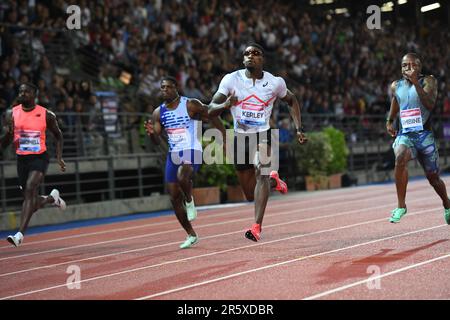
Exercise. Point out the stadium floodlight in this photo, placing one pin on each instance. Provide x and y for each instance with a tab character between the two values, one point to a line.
314	2
341	10
402	1
388	6
430	7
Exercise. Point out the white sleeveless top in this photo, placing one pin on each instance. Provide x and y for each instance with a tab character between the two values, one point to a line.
255	102
184	133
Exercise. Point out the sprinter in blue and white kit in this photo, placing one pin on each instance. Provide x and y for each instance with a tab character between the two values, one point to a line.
413	99
181	119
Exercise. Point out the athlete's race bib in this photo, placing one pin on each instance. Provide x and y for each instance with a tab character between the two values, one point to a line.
411	119
178	137
30	141
252	114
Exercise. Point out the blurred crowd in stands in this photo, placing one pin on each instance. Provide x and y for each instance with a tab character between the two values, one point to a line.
335	65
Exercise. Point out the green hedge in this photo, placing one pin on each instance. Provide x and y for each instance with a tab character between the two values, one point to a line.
324	153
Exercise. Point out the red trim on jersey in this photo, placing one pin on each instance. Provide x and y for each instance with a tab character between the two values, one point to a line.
265	103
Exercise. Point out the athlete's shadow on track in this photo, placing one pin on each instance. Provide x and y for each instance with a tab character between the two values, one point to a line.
348	269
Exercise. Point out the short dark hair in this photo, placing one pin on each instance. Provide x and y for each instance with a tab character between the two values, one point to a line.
171	79
32	86
256	45
415	55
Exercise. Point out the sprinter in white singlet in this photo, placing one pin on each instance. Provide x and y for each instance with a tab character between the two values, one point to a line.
250	94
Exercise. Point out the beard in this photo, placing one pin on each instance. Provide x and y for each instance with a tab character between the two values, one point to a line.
250	68
20	100
28	103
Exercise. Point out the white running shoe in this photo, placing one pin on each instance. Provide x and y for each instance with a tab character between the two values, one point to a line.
191	210
16	240
59	202
190	241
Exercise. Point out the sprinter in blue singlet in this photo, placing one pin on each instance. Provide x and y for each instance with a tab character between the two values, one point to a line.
413	100
181	119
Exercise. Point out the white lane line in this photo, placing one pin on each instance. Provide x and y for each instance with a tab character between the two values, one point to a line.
248	207
234	275
373	278
235	249
273	214
203	238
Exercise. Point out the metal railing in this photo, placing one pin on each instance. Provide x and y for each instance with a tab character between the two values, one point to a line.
91	179
94	134
122	163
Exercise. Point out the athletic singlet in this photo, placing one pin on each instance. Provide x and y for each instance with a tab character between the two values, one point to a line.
29	130
413	114
181	129
255	102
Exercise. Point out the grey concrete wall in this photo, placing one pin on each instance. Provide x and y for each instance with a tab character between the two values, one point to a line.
52	215
370	176
92	165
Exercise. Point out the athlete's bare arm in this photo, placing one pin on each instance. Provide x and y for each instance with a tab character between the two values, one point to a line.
153	127
219	103
196	107
393	111
52	125
8	130
294	110
427	94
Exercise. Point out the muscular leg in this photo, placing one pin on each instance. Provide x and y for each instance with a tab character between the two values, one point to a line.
439	186
33	201
402	156
429	160
262	188
176	197
256	186
42	201
184	175
247	180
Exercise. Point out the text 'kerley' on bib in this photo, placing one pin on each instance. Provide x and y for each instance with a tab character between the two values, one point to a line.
252	114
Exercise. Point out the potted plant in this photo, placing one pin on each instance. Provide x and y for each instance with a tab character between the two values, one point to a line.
312	160
323	159
207	185
234	189
338	162
215	179
211	179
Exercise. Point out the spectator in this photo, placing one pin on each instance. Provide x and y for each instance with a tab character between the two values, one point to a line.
45	71
334	67
191	90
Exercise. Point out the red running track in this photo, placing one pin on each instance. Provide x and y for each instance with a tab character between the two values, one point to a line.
335	244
